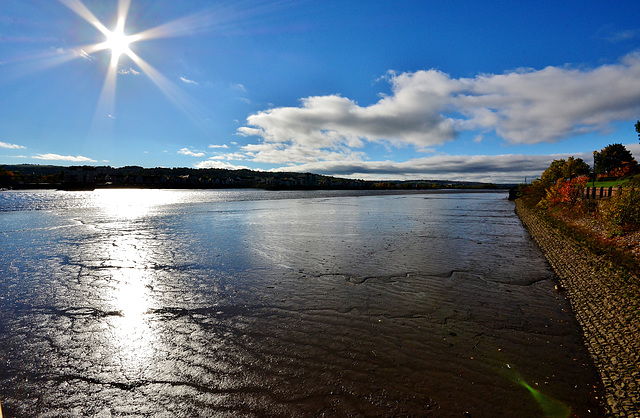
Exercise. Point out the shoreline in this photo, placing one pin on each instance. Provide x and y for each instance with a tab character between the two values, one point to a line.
606	303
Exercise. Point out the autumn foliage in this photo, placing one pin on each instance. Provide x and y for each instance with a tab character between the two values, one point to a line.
565	192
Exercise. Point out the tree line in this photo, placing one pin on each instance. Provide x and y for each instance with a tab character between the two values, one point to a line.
559	190
46	176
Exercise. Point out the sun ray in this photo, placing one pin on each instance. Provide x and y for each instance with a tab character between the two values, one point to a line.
81	10
123	10
184	26
166	86
118	43
105	107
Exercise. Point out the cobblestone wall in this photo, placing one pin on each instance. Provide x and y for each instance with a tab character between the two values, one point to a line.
606	302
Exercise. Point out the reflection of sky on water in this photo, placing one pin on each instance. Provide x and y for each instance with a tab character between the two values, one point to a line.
186	303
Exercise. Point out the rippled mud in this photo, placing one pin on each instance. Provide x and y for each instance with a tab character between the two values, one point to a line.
374	305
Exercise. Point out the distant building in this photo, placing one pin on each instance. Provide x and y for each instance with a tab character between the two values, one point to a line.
80	175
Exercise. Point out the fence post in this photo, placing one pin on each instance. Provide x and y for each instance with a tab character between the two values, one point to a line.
610	191
593	192
601	192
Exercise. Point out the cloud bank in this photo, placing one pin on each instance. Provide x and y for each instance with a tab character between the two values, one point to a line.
429	108
58	157
504	168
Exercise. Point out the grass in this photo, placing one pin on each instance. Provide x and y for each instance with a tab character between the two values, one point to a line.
628	181
613	183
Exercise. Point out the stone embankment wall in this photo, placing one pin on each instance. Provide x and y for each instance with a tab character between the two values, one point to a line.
606	302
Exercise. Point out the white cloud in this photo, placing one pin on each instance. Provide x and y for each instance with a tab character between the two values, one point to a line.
230	156
129	71
551	104
239	86
296	154
187	81
634	149
220	164
11	146
429	108
187	151
58	157
218	146
81	53
334	121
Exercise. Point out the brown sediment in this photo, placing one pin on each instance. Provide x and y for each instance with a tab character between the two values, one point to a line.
606	302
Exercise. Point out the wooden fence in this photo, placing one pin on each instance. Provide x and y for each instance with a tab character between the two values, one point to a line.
604	192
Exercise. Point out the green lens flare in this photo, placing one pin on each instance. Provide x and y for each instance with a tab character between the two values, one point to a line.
551	407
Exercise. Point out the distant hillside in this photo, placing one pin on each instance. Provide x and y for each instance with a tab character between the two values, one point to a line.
50	176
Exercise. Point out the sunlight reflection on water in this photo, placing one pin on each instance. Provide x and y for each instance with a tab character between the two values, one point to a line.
130	250
201	303
132	203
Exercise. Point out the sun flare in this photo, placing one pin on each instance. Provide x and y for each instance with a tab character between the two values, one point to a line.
118	43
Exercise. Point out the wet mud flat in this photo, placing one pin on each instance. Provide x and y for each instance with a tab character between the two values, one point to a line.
607	307
369	306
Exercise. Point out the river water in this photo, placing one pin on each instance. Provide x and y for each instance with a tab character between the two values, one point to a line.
257	303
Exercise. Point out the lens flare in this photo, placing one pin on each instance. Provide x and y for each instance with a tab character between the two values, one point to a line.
119	43
552	408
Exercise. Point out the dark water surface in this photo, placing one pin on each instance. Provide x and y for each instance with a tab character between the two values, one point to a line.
254	303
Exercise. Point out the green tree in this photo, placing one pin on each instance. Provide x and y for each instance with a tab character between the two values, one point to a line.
638	129
611	158
575	167
554	172
561	169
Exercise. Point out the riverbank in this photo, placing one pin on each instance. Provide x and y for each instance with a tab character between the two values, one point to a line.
606	302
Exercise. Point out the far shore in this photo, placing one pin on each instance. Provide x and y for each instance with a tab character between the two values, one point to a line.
88	187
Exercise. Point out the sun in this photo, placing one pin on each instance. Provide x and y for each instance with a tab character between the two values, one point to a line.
118	42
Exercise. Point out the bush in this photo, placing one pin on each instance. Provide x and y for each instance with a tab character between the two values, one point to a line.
621	213
564	192
532	193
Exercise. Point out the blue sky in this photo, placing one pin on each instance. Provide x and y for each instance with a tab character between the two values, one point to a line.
459	90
